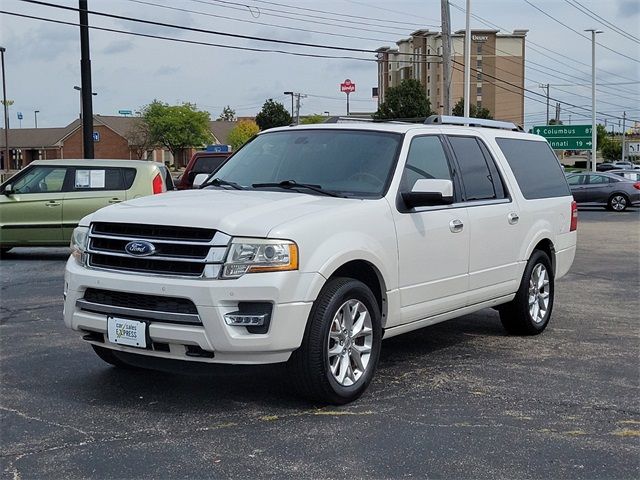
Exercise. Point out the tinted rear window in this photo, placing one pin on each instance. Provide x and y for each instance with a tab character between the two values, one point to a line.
207	164
129	175
535	167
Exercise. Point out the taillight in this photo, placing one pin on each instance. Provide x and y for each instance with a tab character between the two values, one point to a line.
158	184
636	185
574	217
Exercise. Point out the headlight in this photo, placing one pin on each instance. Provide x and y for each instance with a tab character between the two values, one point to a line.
79	243
251	255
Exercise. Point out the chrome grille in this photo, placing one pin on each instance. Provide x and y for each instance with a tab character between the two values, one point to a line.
179	251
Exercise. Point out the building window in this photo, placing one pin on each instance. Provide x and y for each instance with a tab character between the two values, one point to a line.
479	90
479	75
479	63
428	78
428	92
479	46
479	104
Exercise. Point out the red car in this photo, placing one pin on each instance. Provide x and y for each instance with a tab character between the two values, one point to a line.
201	162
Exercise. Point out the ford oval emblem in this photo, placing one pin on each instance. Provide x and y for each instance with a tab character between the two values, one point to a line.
140	248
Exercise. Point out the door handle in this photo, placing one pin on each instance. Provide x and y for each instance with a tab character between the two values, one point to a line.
115	200
456	226
52	203
513	218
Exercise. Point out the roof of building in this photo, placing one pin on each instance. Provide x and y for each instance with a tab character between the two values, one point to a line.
35	137
39	138
221	130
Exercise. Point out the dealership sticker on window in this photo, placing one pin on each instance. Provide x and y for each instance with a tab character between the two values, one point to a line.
90	178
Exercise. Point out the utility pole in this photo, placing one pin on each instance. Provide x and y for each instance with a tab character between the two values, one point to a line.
446	56
6	113
298	97
594	127
624	126
557	113
85	74
467	62
545	86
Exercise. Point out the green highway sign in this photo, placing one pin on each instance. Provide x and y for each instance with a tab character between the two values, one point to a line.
566	137
570	143
555	131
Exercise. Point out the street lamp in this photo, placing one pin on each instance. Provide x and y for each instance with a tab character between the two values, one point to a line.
35	115
6	113
594	127
76	87
290	93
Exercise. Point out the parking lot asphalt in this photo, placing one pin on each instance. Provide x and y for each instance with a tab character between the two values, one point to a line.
456	400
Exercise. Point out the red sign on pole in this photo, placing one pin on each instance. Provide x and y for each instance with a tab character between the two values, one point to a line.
347	86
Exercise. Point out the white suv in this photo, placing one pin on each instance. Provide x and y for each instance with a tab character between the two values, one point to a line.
311	244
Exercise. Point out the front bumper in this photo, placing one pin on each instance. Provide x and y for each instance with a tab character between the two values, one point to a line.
291	294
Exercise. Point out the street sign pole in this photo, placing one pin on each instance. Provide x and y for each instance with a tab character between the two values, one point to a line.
347	87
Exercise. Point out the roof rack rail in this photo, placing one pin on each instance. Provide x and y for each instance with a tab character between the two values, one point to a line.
472	122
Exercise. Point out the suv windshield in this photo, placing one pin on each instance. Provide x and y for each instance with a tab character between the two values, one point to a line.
350	162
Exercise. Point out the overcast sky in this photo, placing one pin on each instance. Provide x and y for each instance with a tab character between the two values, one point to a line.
43	59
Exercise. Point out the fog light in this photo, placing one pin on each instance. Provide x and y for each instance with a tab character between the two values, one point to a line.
238	319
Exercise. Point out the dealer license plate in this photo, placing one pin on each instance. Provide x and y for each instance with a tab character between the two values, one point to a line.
127	332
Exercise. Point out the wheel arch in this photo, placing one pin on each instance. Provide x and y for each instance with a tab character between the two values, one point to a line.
370	275
546	245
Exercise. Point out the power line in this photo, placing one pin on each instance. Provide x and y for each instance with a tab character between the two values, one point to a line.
579	33
315	19
192	42
593	15
202	30
524	89
244	20
546	50
386	21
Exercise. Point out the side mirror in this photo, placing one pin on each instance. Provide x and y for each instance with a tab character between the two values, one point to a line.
8	190
428	192
200	179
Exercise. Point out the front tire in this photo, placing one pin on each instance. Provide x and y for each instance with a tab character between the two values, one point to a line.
341	345
618	202
529	312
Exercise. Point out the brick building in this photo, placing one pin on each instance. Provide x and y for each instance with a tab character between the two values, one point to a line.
497	69
112	140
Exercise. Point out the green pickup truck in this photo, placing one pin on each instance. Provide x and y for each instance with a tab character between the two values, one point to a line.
42	204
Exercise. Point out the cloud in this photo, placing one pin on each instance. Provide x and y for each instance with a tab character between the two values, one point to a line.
629	8
166	70
46	42
119	46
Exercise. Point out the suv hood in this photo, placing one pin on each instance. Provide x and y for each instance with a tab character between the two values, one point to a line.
237	213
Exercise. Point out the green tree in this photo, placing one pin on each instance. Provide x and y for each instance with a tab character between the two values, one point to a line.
273	114
601	134
310	119
177	127
243	131
407	100
228	115
474	111
139	138
611	149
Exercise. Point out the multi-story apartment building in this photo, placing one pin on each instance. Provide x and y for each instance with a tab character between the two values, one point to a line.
497	69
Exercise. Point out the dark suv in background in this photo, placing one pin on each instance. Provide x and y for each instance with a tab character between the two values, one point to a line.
201	162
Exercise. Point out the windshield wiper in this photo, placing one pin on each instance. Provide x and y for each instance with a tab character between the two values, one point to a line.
292	184
218	182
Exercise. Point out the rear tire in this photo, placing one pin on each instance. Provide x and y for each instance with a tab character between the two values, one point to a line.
341	344
110	357
618	202
529	312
